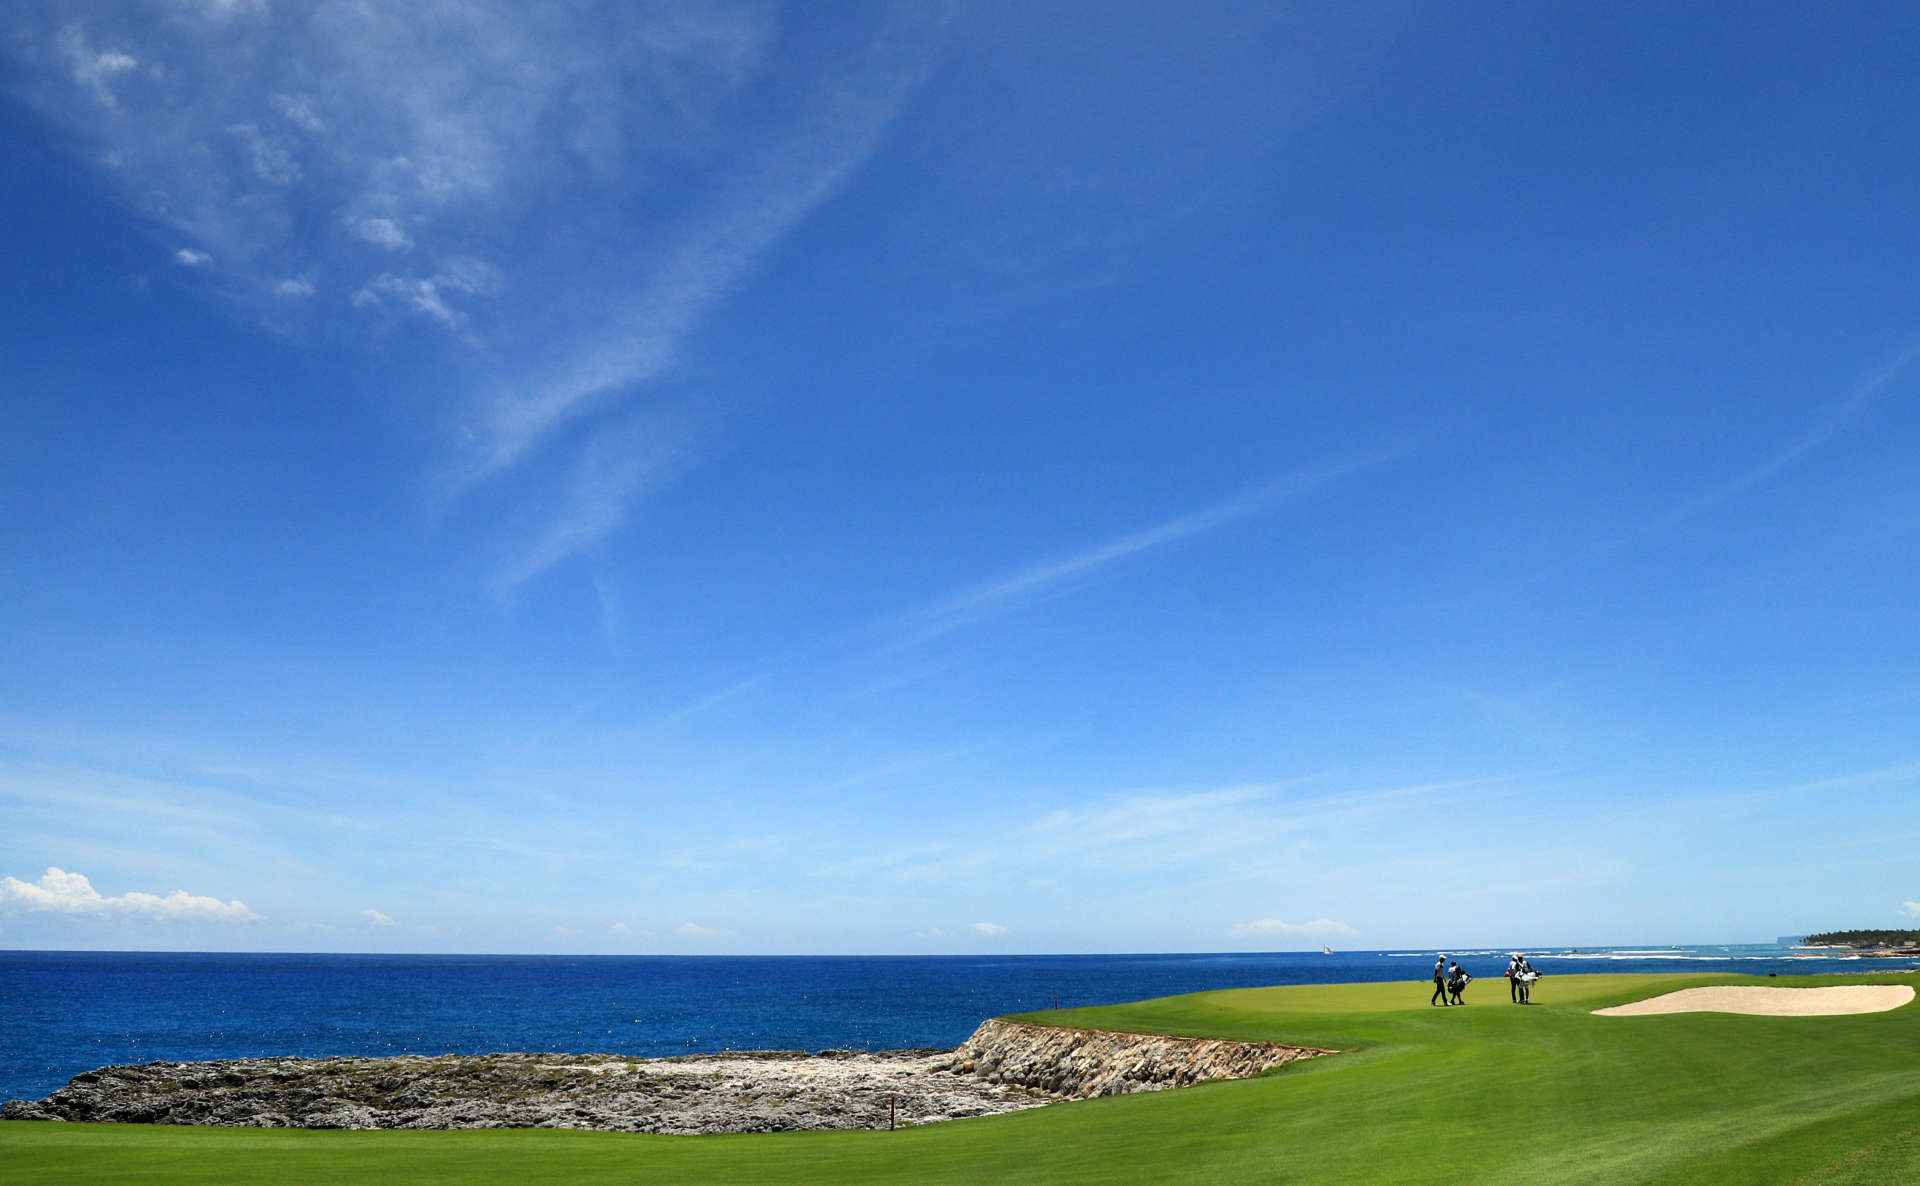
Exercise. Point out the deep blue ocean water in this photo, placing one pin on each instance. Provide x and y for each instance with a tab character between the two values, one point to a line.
63	1012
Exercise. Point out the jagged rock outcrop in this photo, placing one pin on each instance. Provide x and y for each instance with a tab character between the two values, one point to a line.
1078	1064
1003	1067
753	1091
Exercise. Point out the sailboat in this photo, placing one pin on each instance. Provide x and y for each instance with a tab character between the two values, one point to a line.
1325	950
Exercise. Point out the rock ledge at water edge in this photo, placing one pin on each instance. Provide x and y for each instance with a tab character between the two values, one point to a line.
1003	1067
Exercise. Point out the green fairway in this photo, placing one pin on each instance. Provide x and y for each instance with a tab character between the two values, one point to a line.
1541	1095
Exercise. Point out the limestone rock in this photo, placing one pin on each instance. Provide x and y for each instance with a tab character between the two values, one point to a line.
1003	1067
1079	1064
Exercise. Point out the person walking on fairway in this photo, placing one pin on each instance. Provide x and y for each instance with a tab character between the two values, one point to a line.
1513	977
1457	981
1439	982
1524	976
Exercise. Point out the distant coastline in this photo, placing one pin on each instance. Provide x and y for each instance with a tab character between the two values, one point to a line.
1881	943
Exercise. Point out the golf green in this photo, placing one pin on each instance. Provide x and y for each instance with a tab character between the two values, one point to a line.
1539	1095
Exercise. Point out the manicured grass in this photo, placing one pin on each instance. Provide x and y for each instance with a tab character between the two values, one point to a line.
1541	1096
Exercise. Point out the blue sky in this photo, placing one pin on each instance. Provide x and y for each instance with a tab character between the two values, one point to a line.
946	478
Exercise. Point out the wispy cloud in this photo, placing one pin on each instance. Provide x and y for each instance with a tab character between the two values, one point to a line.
1134	817
1222	834
1748	799
1902	772
1005	593
92	70
1828	422
376	919
1910	909
714	700
382	232
104	807
441	166
711	255
1274	926
285	133
1157	835
616	468
694	930
595	507
989	929
61	892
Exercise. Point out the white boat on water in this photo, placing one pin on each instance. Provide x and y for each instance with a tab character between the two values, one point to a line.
1325	950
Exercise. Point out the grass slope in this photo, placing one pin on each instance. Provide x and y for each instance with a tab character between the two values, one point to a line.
1424	1096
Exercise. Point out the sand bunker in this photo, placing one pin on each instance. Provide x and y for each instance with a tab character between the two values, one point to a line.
1830	1001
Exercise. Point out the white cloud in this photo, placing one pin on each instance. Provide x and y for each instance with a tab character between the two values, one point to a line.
91	69
933	933
61	892
187	257
1249	838
473	142
1140	816
1274	926
298	111
462	276
1910	909
293	288
423	297
1830	420
987	928
272	157
1006	592
621	928
1140	834
382	232
694	930
1229	832
376	919
711	256
1157	834
617	467
220	10
333	124
565	931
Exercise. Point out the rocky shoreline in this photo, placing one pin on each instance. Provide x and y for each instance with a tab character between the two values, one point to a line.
1081	1063
1003	1067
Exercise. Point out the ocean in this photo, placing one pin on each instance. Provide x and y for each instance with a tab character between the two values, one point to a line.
64	1012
